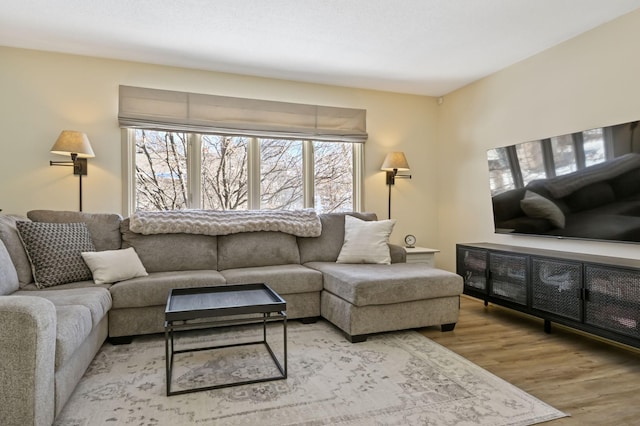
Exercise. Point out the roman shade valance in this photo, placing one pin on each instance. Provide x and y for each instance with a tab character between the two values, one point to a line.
156	109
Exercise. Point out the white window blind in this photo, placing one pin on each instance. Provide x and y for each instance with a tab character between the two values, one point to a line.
155	109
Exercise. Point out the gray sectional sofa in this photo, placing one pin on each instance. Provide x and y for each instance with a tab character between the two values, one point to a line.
49	336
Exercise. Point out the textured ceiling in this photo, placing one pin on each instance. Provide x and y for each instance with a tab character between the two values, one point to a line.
427	47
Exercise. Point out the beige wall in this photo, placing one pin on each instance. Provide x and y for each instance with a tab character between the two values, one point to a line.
586	82
590	81
43	93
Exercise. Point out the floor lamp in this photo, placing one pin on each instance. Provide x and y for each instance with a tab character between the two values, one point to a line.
77	145
393	163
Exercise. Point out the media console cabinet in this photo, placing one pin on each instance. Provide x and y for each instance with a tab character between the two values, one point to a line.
595	294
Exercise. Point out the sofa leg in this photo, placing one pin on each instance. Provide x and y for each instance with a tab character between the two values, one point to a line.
309	320
121	340
357	339
448	327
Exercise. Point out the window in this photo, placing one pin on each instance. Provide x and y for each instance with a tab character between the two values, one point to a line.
178	170
199	151
161	170
564	154
223	173
594	147
531	161
500	174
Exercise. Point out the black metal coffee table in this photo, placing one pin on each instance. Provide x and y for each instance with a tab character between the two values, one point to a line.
216	306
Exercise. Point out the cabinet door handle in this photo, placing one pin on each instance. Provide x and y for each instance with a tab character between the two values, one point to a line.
583	294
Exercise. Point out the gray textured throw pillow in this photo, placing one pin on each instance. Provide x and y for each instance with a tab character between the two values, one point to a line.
54	251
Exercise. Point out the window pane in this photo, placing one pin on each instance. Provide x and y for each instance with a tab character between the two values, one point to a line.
500	175
281	184
531	161
593	146
564	154
161	170
224	172
333	177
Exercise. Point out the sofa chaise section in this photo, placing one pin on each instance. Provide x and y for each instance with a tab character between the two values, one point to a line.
363	299
366	299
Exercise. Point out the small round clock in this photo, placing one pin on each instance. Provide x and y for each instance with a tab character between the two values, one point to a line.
410	241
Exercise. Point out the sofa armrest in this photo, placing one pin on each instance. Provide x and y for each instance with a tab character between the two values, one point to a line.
398	253
28	336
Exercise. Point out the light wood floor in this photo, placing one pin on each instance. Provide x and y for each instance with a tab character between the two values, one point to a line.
595	381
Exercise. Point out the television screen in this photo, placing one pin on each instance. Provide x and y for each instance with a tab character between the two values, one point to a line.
581	185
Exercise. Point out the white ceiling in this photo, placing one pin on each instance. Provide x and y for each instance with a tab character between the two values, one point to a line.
427	47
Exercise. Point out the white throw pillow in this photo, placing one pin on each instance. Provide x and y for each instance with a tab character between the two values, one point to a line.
366	241
110	266
536	206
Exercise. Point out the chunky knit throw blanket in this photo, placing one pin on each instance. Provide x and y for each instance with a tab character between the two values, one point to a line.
301	223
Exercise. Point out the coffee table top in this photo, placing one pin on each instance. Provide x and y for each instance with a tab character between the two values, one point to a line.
204	302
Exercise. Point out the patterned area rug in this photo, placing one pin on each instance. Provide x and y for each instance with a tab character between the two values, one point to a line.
399	378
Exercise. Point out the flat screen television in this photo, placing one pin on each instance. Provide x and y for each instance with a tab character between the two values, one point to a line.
582	185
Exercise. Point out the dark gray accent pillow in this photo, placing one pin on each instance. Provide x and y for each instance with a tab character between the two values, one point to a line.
54	251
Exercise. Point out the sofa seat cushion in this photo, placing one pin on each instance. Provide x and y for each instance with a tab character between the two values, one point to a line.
96	300
73	326
370	284
76	284
283	279
153	289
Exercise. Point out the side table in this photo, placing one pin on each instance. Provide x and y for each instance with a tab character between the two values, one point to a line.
421	255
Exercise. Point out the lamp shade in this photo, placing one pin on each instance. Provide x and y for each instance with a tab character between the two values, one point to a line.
395	161
72	142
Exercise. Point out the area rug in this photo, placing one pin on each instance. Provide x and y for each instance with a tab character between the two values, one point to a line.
399	378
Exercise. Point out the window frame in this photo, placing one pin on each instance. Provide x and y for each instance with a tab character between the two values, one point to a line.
194	181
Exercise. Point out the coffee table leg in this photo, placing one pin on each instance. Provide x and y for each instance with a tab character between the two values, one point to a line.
264	328
284	331
167	357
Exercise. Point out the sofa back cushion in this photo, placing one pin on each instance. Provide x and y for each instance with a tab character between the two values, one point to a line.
506	205
626	184
327	246
103	227
251	249
11	239
8	275
590	196
172	252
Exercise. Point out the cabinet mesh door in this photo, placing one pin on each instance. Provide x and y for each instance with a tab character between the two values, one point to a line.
472	265
509	277
613	301
556	287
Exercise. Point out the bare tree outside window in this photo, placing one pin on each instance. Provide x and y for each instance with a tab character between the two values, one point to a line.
224	172
281	179
333	176
161	170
